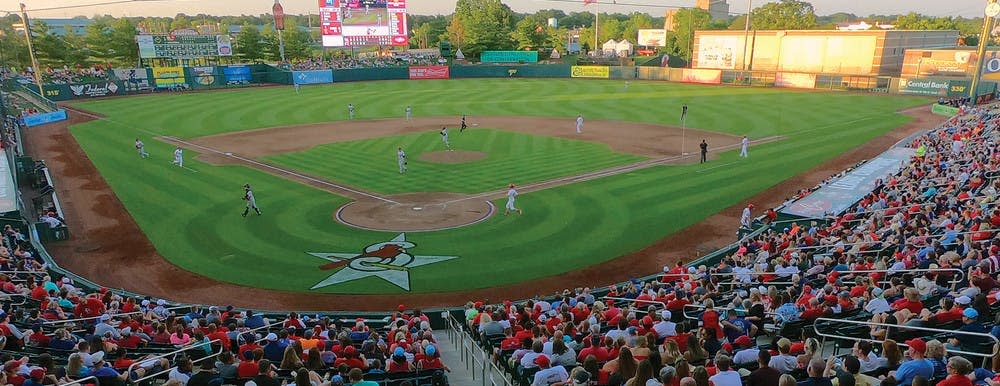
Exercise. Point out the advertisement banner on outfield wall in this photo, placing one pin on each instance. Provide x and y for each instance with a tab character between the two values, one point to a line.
312	77
134	79
237	74
694	75
652	38
168	76
95	90
429	72
837	196
509	57
794	80
924	86
203	76
590	72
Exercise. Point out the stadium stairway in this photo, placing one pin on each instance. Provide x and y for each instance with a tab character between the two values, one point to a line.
467	369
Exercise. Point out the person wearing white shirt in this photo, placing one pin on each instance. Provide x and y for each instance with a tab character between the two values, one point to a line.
726	376
528	360
665	327
548	375
877	304
746	356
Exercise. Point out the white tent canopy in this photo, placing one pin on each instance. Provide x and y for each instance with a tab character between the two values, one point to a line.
624	48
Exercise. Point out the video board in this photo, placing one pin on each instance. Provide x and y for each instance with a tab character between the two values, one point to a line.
352	23
183	46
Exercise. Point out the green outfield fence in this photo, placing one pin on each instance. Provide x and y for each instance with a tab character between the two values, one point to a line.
169	79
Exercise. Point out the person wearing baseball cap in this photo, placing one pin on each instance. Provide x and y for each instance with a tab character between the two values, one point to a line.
916	366
970	323
548	374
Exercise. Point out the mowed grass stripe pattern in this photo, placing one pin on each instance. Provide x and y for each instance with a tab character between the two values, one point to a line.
511	157
193	218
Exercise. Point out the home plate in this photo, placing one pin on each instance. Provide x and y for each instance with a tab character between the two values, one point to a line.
418	208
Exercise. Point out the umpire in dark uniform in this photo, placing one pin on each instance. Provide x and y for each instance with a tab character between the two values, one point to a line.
704	150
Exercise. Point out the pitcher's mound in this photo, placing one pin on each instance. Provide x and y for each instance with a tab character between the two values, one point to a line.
415	212
452	157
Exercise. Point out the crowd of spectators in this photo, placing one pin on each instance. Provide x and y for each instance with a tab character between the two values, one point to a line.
75	75
921	251
380	61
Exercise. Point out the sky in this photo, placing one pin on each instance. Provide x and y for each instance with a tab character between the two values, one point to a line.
967	8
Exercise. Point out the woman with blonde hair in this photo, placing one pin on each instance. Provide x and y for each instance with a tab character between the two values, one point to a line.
643	374
811	347
75	368
670	352
641	350
484	319
786	380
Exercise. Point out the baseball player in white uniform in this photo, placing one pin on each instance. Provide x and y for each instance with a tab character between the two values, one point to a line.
298	87
579	123
251	201
350	111
409	113
744	145
141	147
179	157
401	160
444	138
511	195
745	218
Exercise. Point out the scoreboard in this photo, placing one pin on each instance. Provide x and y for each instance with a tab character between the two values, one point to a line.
183	46
352	23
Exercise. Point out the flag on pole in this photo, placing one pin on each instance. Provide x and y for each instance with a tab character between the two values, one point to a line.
587	2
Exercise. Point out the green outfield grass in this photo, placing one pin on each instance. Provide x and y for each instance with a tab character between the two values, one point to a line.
524	158
193	218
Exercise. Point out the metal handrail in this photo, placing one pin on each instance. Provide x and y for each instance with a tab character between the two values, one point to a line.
486	363
953	281
881	241
40	273
985	356
702	307
662	304
80	381
197	345
98	317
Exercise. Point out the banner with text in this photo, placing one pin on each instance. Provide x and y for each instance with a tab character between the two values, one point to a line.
168	76
134	79
924	86
590	72
429	72
41	119
96	90
237	74
837	196
509	57
312	77
203	76
691	75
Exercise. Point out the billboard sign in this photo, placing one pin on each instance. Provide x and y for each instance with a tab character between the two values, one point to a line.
353	23
920	86
203	76
135	79
652	38
717	52
94	90
509	57
312	77
590	72
183	46
237	74
168	76
429	72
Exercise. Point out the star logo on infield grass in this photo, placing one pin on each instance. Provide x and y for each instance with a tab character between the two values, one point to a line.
389	260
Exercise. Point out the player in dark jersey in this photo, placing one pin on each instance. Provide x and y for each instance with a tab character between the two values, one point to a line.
463	125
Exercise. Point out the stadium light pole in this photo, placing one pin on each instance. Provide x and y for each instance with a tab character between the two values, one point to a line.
992	9
746	33
31	51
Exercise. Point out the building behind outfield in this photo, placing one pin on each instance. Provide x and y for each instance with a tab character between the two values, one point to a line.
871	52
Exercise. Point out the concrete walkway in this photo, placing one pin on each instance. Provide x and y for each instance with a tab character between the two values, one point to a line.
470	371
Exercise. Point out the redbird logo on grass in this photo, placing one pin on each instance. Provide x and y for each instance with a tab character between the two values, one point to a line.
389	260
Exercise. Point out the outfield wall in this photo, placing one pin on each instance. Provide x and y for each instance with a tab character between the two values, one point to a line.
158	79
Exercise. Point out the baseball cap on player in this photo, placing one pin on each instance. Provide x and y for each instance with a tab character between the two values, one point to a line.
750	206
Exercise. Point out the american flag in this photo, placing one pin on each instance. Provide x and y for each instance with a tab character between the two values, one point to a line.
587	2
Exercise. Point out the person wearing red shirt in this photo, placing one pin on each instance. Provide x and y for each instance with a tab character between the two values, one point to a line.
352	359
214	333
958	369
431	360
910	301
596	349
249	368
38	293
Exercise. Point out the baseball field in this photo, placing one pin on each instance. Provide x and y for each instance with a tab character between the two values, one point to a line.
332	195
